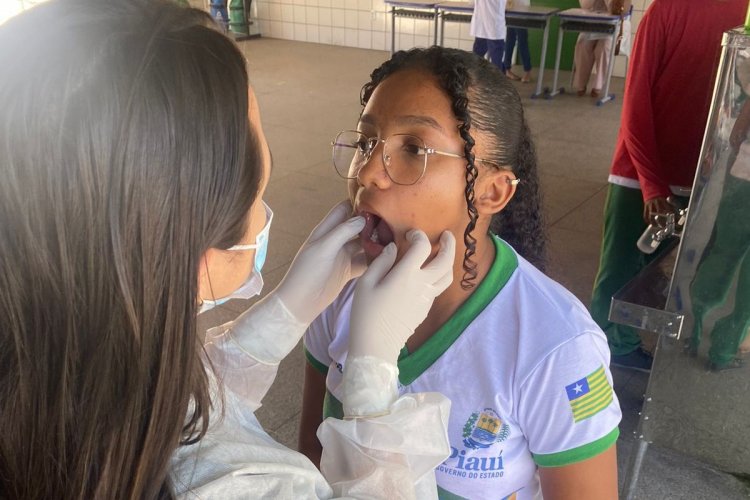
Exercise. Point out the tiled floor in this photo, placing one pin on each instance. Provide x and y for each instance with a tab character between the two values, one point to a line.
308	92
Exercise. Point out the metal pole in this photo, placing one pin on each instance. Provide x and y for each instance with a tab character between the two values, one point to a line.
545	39
607	96
435	40
555	90
634	470
393	30
442	28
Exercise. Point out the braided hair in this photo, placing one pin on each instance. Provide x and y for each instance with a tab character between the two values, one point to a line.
483	99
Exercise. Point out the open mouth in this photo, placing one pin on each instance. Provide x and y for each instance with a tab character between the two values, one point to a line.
375	235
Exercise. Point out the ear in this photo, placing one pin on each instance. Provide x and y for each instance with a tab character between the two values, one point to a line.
493	190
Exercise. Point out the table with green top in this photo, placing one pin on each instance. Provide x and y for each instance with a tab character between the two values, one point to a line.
521	16
586	21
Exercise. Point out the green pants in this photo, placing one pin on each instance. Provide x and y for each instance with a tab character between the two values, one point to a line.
726	252
620	261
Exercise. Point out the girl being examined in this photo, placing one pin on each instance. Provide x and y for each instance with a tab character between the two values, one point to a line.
442	144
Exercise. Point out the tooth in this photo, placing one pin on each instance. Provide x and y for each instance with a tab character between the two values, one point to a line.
374	236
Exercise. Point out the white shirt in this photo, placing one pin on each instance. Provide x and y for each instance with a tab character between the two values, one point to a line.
488	20
519	3
525	368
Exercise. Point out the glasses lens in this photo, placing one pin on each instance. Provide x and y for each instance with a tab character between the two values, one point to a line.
405	158
350	150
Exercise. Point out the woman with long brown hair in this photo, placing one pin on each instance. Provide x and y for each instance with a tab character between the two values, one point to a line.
133	164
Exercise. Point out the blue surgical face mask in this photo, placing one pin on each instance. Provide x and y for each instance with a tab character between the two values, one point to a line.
261	242
254	283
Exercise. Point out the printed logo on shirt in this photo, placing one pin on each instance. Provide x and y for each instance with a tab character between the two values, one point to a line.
482	430
589	395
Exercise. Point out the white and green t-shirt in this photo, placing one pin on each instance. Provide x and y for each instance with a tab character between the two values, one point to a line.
526	370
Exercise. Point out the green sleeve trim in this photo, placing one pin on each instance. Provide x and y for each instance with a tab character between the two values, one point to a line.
447	495
411	366
332	407
315	363
578	454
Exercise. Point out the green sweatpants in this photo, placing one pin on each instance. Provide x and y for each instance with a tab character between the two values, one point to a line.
619	262
726	252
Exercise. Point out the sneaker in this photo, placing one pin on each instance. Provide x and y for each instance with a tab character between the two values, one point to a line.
735	363
638	360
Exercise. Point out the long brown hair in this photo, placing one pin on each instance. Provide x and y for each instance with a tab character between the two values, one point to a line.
125	153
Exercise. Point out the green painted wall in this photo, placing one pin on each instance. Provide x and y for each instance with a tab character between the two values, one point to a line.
569	40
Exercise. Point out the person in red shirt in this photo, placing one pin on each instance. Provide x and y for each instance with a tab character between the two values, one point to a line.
665	108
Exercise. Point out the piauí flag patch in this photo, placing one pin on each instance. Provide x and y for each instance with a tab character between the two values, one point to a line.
589	395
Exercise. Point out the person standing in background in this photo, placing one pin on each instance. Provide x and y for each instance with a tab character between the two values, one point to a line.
547	349
488	30
522	36
665	107
594	50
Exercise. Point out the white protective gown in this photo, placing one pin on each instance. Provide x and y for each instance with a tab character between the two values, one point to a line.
390	456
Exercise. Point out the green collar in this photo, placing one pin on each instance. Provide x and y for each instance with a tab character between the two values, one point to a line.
412	365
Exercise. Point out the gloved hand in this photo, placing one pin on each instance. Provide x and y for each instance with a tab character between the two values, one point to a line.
270	329
390	302
323	265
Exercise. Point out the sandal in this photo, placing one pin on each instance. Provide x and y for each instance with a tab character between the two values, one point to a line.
512	76
595	93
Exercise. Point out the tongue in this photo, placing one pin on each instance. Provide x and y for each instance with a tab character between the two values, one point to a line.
385	235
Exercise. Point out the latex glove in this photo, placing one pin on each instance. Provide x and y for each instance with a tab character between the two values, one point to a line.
329	258
390	302
388	305
324	264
